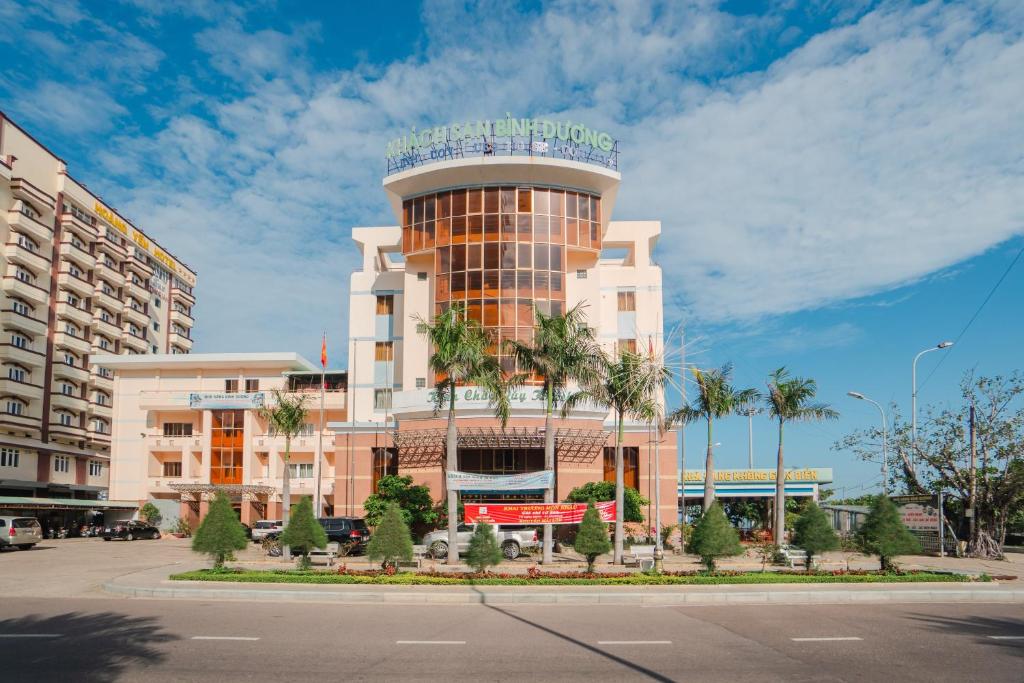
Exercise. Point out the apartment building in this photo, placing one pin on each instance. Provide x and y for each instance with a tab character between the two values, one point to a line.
79	279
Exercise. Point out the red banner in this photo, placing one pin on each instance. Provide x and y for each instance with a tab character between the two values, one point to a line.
535	513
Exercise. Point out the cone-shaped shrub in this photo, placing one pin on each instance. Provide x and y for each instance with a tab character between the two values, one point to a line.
884	534
483	551
714	537
220	533
391	541
592	537
303	532
813	534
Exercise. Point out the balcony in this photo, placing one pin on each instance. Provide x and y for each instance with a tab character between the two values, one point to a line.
13	287
160	484
77	255
26	357
105	327
163	400
27	423
75	283
85	231
180	340
156	442
181	318
75	404
333	400
71	432
137	291
135	315
63	340
180	294
100	439
134	342
72	372
100	409
12	320
107	301
111	274
299	486
304	443
107	246
36	229
75	314
136	265
26	390
23	256
100	382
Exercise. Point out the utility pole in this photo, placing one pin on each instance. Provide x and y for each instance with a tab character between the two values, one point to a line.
682	439
972	500
750	438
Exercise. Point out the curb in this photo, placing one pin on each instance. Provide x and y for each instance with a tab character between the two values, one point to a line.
190	591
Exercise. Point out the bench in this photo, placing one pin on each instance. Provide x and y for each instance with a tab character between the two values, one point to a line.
328	553
795	557
640	556
419	552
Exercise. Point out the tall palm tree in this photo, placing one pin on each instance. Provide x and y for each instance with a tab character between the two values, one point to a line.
460	356
629	385
286	417
788	400
716	398
563	350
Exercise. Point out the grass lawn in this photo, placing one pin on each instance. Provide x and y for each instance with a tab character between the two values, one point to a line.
676	579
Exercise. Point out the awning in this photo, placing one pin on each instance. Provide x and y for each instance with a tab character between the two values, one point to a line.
70	503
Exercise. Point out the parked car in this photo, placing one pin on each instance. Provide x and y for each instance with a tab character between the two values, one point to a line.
129	531
265	527
512	538
20	532
350	533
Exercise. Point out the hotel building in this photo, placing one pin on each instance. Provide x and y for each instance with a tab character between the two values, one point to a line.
79	279
504	227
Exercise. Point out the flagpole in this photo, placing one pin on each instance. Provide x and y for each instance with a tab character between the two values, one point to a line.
317	496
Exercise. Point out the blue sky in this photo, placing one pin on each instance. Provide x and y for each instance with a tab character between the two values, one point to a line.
839	182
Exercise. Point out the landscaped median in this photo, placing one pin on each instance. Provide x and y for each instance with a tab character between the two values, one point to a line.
534	578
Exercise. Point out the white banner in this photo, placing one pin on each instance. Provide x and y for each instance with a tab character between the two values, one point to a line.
530	481
225	401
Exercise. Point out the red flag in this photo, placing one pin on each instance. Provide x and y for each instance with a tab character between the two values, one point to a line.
323	352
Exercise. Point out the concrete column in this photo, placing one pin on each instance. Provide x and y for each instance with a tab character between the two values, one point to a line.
204	507
248	513
207	433
186	461
248	459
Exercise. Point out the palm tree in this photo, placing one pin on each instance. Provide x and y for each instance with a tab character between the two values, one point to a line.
563	350
286	418
629	385
716	398
460	356
788	400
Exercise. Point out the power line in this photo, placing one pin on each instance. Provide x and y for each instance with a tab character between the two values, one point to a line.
974	317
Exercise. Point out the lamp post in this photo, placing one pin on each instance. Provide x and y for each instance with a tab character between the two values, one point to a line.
750	437
913	401
885	469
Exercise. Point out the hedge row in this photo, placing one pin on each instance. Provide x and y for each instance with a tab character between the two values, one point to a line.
414	579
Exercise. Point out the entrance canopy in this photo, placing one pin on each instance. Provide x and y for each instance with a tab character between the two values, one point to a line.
802	482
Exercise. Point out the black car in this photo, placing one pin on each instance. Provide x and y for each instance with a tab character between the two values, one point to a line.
129	531
351	533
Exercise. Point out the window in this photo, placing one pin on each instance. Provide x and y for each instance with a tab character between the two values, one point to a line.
19	340
66	419
72	299
67	389
133	330
421	382
61	463
382	399
15	407
385	462
156	326
300	470
109	291
581	274
177	429
100	427
384	351
73	269
104	316
172	469
421	276
104	343
95	468
155	349
156	301
627	345
27	210
101	398
71	329
231	386
9	457
26	243
252	385
20	307
24	275
16	372
70	359
627	300
630	460
386	304
106	372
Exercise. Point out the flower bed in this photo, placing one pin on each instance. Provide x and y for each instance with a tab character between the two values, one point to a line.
537	578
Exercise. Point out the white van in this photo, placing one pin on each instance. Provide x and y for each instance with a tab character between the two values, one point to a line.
20	532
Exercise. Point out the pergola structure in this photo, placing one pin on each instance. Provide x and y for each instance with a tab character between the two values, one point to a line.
425	447
192	493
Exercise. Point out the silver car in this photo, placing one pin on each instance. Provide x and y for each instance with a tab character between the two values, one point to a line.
265	526
20	532
513	538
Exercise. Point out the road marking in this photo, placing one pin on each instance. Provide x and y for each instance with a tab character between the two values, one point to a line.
31	635
223	638
430	642
1006	637
816	640
634	642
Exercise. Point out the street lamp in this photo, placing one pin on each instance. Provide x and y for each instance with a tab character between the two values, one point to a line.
750	437
885	470
913	400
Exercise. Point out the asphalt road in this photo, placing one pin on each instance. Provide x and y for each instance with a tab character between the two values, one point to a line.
127	640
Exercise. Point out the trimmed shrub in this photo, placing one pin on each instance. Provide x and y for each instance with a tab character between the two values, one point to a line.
303	532
813	533
220	533
592	537
714	537
483	551
884	534
151	514
414	503
391	541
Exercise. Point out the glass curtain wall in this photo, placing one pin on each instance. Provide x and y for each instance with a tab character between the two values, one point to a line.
226	438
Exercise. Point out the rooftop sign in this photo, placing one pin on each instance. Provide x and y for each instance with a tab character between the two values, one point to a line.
560	139
818	475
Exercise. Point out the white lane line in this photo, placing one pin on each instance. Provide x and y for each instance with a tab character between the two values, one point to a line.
31	635
430	642
634	642
1006	637
223	638
816	640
